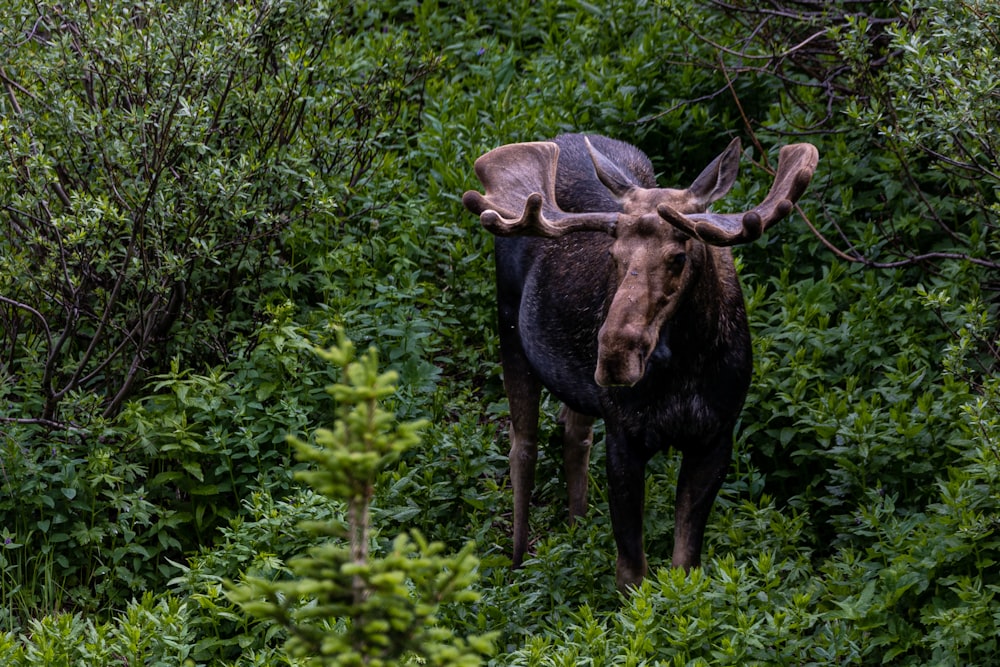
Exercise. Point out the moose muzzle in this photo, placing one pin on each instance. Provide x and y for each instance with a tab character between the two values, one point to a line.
622	354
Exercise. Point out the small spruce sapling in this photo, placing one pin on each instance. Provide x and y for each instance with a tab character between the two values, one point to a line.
342	607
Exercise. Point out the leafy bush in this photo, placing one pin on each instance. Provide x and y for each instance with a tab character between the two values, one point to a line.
152	631
160	156
187	138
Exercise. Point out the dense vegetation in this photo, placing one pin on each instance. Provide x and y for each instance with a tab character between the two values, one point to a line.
195	195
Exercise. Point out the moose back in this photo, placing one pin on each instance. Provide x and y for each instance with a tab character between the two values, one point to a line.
621	298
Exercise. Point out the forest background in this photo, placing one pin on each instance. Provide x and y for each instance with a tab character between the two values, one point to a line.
195	195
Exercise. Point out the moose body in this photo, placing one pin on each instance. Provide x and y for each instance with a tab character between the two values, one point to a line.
621	298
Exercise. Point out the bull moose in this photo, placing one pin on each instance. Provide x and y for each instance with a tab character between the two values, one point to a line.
622	299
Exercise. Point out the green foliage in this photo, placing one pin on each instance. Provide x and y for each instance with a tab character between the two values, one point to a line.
341	606
77	528
88	524
859	523
929	110
212	438
157	160
180	142
893	93
152	631
257	542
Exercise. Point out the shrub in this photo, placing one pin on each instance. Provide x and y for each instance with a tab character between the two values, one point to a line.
187	138
150	631
161	157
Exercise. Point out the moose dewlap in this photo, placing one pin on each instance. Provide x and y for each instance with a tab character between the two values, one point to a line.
621	298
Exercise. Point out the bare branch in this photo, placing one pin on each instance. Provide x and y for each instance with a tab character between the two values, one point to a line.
38	315
49	423
858	258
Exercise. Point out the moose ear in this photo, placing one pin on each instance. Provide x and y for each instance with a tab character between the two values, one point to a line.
608	172
718	177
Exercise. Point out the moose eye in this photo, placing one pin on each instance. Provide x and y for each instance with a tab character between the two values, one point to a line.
677	261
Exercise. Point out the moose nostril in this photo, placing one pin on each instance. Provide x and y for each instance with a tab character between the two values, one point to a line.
621	371
621	355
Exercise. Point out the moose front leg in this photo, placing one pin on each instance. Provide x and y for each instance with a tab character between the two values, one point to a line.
626	497
702	473
578	436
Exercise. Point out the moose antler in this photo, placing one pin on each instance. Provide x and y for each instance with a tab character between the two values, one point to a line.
520	194
796	165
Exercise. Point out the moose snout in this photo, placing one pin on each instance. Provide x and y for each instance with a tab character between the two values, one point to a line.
622	353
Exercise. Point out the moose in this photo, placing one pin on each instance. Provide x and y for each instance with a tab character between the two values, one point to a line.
622	299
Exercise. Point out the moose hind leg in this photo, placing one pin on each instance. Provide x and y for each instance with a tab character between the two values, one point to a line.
702	472
578	436
523	394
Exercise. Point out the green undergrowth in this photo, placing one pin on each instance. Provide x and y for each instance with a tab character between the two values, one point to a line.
859	523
